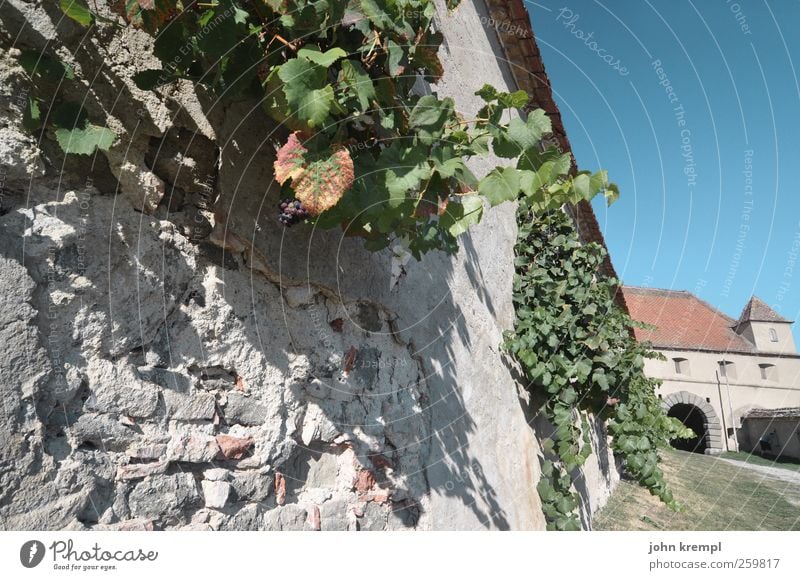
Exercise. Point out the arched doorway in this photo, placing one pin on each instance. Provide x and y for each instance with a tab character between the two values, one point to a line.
694	419
697	414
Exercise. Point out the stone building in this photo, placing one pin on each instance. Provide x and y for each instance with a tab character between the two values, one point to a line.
772	432
717	370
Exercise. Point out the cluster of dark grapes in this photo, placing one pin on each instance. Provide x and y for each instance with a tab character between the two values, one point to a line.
292	212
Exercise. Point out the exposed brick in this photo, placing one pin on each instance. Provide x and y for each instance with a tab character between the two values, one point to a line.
234	447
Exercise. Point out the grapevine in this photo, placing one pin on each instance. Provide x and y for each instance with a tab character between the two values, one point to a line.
339	74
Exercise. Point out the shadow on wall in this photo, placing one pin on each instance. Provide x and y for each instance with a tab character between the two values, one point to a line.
164	345
601	462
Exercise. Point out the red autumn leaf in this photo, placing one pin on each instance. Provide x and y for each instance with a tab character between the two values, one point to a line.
427	57
427	208
149	15
324	182
319	182
291	159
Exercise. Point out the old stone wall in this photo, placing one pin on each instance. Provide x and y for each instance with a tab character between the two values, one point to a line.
171	358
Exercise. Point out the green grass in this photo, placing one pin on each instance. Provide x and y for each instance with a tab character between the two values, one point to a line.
791	464
716	495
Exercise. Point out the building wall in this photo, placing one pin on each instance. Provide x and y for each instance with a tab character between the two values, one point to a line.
786	435
733	397
759	334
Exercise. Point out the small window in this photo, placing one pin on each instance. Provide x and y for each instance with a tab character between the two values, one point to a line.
681	366
773	335
727	370
769	372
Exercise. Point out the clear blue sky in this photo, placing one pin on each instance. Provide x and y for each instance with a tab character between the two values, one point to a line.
689	217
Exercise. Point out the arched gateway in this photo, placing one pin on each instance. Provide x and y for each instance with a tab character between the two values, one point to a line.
697	414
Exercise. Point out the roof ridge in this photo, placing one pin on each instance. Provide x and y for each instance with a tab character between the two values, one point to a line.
655	290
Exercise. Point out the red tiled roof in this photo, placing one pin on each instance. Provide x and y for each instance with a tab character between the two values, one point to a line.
682	320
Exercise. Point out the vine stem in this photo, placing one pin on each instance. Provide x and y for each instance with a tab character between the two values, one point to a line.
368	60
281	39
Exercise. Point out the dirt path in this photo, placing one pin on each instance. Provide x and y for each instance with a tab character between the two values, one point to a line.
775	472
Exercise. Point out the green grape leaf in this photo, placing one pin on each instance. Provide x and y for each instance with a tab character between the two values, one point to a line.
307	92
316	56
279	6
599	181
353	76
429	117
227	31
379	17
78	11
582	186
561	165
447	165
460	216
405	169
539	123
487	92
500	185
522	135
546	491
530	183
568	396
515	100
85	140
611	193
396	57
533	159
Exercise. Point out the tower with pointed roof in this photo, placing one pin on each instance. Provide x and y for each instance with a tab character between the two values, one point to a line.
767	330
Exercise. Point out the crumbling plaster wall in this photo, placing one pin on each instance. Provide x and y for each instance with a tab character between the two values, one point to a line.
171	362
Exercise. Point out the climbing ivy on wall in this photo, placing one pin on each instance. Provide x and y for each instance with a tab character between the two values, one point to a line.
362	146
576	347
